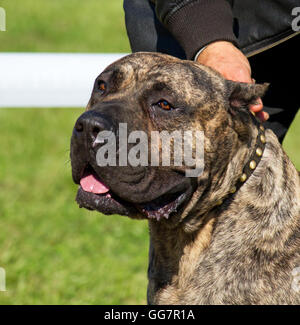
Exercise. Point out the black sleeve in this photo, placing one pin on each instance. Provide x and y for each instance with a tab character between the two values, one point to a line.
196	23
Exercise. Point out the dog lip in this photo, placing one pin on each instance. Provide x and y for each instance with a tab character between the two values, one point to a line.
104	203
162	207
78	170
110	203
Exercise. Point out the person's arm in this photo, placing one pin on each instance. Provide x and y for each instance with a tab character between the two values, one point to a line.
196	23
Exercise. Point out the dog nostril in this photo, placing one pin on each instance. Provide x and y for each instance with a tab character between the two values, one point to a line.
95	131
79	127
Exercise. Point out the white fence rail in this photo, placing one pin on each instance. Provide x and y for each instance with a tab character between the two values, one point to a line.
49	79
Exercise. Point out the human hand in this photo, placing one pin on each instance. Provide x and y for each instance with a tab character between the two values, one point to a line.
228	60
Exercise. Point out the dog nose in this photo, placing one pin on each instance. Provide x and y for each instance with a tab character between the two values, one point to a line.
91	123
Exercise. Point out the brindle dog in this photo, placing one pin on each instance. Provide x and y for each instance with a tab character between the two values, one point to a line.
230	235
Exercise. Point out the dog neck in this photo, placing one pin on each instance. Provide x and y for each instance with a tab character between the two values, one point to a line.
264	210
221	187
250	165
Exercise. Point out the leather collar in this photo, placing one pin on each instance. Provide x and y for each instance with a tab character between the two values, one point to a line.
253	161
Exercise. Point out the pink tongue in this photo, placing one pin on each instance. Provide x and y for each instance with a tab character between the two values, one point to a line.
91	184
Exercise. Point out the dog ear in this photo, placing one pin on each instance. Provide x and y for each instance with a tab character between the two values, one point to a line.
241	94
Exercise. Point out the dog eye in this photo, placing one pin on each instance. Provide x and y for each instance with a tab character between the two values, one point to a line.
102	86
165	105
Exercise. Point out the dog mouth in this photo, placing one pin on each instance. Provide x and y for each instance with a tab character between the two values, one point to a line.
93	194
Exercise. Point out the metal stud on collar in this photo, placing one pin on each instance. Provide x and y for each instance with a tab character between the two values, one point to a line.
259	152
233	190
243	177
252	164
262	138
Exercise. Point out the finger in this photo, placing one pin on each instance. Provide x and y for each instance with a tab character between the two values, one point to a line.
263	116
257	106
266	116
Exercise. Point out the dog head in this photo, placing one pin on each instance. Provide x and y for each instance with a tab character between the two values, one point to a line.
117	147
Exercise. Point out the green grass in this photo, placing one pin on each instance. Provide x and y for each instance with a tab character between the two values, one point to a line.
64	26
291	143
52	251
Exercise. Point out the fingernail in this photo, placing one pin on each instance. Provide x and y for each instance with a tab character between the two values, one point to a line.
266	115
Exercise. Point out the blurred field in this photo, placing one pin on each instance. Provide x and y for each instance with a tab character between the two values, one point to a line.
291	143
53	252
64	26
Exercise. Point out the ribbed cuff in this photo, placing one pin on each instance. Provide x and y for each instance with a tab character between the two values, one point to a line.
201	22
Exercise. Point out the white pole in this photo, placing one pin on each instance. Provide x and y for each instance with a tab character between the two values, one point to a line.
49	79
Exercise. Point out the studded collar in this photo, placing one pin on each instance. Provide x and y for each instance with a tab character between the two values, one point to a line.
253	161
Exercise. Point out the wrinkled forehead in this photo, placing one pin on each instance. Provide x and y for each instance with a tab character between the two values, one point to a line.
150	68
140	64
